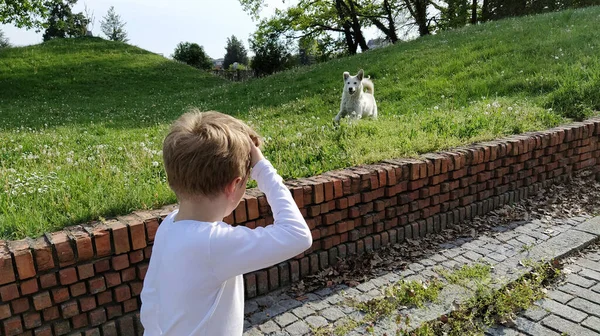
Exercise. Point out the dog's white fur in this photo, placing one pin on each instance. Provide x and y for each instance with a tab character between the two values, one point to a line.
355	102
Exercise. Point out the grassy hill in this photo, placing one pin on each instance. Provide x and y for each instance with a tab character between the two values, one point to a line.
82	121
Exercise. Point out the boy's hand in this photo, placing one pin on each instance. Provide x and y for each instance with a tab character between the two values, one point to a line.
255	153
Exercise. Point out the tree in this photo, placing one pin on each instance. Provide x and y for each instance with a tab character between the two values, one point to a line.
62	22
113	27
192	54
455	14
4	43
24	13
236	52
270	55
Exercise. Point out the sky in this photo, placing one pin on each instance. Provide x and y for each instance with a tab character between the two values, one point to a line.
158	25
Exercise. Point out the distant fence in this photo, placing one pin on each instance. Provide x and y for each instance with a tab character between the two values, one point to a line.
234	75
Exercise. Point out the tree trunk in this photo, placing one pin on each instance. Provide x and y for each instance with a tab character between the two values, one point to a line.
474	12
347	28
418	10
356	27
485	11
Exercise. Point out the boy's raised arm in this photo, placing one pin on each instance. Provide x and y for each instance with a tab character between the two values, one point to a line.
238	250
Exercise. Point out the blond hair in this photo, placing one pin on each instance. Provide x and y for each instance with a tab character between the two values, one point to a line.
204	151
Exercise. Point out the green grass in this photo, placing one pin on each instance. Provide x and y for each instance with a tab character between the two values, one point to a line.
82	121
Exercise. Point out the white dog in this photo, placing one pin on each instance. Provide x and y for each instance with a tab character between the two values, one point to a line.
356	103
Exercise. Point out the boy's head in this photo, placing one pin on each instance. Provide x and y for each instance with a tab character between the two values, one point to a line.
207	154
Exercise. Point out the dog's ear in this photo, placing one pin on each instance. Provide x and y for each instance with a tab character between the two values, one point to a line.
346	75
361	74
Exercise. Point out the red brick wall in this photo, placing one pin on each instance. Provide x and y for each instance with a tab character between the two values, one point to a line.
87	278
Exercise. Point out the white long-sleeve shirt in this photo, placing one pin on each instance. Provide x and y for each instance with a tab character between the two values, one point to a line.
194	284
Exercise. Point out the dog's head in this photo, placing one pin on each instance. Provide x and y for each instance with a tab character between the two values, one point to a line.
353	84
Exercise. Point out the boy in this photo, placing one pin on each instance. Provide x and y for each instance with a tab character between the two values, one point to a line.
194	283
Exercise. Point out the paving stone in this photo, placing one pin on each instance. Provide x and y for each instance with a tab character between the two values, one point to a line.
269	327
335	299
253	332
303	311
497	256
579	281
332	314
532	328
247	325
285	319
379	282
559	296
250	307
585	306
365	286
525	239
536	313
427	262
562	325
405	273
416	267
596	288
563	311
580	291
323	292
391	277
280	333
592	322
462	260
501	331
587	273
472	255
289	304
450	264
265	301
298	328
453	252
316	321
438	258
259	317
318	305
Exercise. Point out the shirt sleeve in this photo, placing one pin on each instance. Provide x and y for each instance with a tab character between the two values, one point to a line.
149	296
238	250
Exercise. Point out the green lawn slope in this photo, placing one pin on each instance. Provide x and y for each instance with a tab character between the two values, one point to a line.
82	121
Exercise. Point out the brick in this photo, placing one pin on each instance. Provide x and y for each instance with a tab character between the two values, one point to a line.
29	286
85	271
67	276
97	316
4	311
122	293
69	309
83	243
262	282
87	303
125	326
120	235
78	289
250	285
42	252
151	228
43	331
136	256
120	262
60	294
9	292
112	279
64	250
110	329
80	321
102	266
141	271
23	259
12	326
61	327
136	288
20	305
51	313
32	320
128	274
42	300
